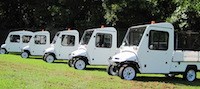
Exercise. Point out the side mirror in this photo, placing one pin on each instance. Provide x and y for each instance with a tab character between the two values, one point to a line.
151	47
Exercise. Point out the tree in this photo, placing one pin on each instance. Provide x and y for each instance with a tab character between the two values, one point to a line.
187	15
125	13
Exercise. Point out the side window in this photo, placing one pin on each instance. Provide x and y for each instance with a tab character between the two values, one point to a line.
68	40
40	39
26	38
103	40
158	40
15	38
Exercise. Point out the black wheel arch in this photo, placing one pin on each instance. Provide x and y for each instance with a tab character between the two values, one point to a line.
29	53
133	64
50	53
83	58
5	50
191	67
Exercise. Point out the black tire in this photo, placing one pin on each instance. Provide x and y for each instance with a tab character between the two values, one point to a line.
127	72
3	51
112	70
49	58
80	64
25	54
44	56
190	74
70	63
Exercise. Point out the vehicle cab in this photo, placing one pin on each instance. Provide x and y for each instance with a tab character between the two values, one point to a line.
96	47
15	41
63	44
37	44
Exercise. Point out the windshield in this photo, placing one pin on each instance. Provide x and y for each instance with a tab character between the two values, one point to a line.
86	37
133	36
55	38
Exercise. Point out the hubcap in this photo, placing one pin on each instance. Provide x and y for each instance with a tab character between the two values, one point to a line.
129	73
50	59
191	75
80	64
24	55
3	51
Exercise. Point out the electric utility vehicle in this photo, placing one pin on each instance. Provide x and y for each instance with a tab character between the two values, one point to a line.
15	41
151	49
63	44
37	45
96	47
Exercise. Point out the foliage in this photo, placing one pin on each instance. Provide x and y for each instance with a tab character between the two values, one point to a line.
125	13
82	14
50	13
187	15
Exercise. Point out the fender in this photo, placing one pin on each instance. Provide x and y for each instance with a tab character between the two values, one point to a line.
27	48
3	46
50	50
78	53
125	56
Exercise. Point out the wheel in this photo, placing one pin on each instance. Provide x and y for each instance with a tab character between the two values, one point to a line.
44	56
127	72
112	70
49	58
170	75
189	75
79	64
3	51
24	55
70	63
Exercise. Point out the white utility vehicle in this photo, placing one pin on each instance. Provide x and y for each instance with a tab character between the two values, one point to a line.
37	45
150	49
96	47
63	44
15	41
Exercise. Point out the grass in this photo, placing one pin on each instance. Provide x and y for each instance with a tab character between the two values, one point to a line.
34	73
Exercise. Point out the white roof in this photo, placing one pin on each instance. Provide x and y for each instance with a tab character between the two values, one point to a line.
47	32
111	29
21	32
162	24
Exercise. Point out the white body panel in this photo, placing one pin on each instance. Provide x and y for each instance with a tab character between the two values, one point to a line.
63	51
152	59
97	55
18	44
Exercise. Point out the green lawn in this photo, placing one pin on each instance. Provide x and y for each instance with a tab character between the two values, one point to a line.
34	73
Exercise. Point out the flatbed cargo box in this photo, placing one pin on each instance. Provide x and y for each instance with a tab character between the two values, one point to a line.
186	56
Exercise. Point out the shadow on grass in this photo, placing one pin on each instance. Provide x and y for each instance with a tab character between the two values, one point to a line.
36	58
15	53
60	62
56	61
176	80
95	69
